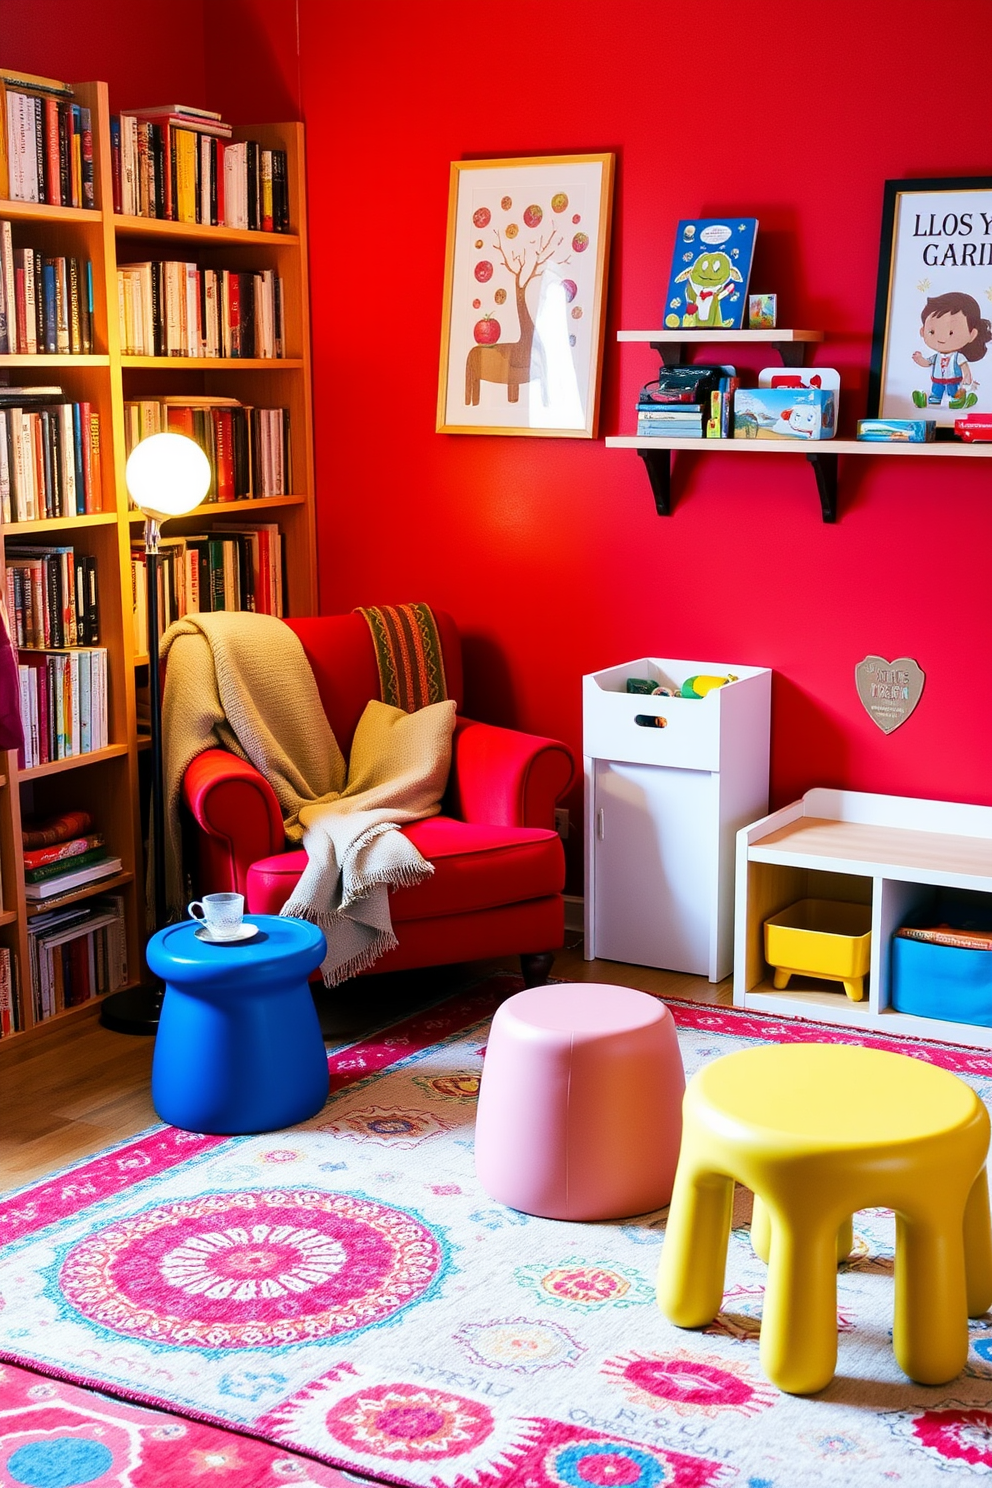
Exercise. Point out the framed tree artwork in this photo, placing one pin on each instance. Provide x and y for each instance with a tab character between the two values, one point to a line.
524	287
932	343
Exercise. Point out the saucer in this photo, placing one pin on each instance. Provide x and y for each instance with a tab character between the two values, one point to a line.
245	932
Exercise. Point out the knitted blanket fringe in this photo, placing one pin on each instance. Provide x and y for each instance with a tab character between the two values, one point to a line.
242	681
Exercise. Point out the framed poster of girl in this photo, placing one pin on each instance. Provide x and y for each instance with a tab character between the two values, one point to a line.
930	348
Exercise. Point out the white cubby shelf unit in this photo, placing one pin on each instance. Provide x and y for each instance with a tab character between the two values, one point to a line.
892	852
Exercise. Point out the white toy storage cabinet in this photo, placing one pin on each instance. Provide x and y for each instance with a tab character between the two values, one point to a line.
663	805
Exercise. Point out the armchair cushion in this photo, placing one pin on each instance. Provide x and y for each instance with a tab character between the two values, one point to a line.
476	867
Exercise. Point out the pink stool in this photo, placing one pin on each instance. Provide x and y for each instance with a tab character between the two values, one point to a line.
580	1107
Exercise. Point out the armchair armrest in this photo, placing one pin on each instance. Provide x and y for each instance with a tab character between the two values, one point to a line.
238	818
506	778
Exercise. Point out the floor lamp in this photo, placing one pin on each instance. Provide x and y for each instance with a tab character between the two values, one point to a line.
167	475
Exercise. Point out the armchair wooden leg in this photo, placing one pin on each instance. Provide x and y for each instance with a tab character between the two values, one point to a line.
535	967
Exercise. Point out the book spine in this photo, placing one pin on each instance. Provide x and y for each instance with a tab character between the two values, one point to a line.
77	155
115	162
86	433
75	309
65	153
267	219
9	292
39	149
86	148
53	169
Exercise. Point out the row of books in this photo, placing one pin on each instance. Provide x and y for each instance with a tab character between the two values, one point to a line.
51	597
77	953
248	448
46	304
180	164
50	456
46	142
171	308
10	1008
226	569
63	699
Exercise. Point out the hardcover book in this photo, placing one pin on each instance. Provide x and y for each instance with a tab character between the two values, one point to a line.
711	266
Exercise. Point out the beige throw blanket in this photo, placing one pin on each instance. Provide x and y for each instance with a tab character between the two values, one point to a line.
242	682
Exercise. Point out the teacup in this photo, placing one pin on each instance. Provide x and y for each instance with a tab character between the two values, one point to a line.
221	914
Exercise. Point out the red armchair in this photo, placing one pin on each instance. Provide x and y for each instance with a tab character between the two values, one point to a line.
499	868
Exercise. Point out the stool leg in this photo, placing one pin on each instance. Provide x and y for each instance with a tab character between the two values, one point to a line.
694	1255
761	1234
761	1230
799	1323
930	1329
978	1247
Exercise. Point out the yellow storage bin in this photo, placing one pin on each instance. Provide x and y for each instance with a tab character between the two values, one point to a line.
821	938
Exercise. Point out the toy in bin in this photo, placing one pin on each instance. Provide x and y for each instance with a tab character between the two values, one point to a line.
824	938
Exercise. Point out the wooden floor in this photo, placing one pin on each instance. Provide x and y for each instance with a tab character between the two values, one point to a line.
70	1096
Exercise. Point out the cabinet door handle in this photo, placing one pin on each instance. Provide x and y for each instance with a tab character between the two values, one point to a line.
600	824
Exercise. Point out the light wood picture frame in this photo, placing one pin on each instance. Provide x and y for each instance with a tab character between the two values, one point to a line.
524	292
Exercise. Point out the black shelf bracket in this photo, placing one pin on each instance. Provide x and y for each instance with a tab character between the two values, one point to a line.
825	470
672	353
659	467
659	462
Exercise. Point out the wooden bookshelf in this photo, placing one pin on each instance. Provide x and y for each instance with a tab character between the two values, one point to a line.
106	782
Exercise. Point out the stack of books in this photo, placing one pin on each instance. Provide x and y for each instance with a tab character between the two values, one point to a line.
720	424
46	142
63	698
46	304
678	404
180	163
52	597
173	308
77	954
50	459
248	448
227	569
70	862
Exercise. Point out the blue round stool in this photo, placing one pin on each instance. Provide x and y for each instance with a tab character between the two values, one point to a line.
239	1047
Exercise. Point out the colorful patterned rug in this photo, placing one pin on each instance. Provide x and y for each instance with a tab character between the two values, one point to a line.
347	1292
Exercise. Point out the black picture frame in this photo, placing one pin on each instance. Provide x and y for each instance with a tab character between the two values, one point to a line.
892	198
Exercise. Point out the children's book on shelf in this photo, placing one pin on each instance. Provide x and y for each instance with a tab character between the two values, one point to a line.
76	953
51	597
46	303
248	448
226	569
63	700
50	456
171	308
181	164
711	266
46	142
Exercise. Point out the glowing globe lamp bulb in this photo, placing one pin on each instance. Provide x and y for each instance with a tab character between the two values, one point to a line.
167	475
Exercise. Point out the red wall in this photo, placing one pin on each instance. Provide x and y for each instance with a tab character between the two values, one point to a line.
138	47
549	551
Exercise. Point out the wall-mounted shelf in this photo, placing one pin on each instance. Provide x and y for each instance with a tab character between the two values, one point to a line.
671	346
822	455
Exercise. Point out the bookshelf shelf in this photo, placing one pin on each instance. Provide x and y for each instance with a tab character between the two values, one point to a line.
215	364
195	232
672	346
58	524
106	782
88	891
19	211
59	767
49	359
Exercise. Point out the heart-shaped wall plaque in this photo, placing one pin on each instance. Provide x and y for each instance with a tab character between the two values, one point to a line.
890	690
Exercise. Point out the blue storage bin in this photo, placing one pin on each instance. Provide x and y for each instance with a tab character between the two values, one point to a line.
940	981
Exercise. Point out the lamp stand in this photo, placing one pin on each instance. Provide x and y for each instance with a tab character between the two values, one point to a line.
137	1009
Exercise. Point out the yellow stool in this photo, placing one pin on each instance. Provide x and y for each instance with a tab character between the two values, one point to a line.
818	1131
